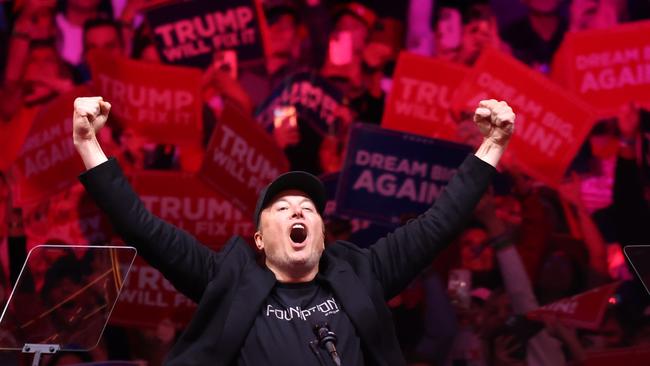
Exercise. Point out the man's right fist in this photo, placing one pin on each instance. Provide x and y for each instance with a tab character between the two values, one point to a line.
90	115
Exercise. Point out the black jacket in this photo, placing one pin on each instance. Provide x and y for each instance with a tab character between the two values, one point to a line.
230	287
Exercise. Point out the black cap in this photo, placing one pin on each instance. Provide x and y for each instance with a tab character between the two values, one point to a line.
298	180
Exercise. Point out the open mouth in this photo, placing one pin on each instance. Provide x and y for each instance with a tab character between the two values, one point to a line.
298	233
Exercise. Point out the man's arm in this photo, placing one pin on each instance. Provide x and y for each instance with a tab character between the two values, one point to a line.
186	263
400	256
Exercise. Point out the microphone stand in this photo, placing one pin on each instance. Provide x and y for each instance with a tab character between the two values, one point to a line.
327	340
314	347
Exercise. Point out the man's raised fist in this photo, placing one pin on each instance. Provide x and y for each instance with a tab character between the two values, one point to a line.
90	115
495	120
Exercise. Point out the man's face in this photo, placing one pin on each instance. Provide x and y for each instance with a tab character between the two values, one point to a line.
291	234
103	38
284	36
478	33
43	63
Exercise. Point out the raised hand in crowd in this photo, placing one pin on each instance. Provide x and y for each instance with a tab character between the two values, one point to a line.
219	83
286	132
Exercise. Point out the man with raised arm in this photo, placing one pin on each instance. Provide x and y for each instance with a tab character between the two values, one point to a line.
252	314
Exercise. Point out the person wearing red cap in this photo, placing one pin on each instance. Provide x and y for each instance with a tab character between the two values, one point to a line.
305	296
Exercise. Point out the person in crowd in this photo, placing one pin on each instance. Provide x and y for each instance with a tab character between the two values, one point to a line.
448	30
535	38
541	349
366	104
419	33
353	24
297	40
298	270
479	31
34	22
591	14
42	76
630	205
103	35
70	19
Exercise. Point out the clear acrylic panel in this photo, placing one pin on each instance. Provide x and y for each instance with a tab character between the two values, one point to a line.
64	296
639	257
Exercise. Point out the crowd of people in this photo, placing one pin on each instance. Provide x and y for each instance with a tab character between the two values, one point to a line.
528	247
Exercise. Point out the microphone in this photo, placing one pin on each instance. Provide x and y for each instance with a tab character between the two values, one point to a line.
326	338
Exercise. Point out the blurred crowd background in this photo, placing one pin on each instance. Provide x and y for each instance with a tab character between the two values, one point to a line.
530	247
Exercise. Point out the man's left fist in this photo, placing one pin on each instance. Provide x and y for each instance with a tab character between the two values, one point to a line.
495	120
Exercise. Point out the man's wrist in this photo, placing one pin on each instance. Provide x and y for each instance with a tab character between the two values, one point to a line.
90	151
490	152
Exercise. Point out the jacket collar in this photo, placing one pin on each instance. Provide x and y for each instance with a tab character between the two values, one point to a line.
254	288
357	304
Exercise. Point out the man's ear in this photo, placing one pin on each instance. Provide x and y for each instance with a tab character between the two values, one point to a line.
259	243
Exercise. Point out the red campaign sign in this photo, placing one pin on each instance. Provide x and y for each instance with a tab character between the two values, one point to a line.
13	134
241	159
421	94
630	356
551	123
164	109
606	67
584	310
147	298
48	162
185	201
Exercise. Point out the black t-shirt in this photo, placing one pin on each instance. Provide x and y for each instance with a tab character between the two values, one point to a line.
283	329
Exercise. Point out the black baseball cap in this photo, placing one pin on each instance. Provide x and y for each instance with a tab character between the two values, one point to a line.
298	180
